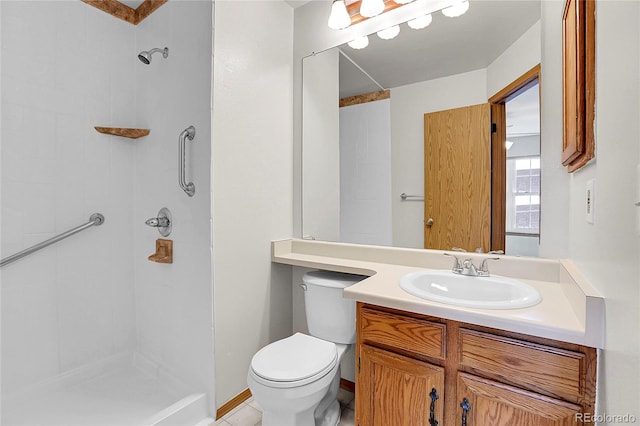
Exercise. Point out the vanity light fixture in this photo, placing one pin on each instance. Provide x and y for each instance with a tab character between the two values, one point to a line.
420	22
339	18
389	33
456	9
371	8
359	43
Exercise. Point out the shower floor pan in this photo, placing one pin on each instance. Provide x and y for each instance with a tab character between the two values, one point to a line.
124	390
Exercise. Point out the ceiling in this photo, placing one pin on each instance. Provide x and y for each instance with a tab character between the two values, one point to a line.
448	46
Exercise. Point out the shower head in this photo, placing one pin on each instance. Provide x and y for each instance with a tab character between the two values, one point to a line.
145	56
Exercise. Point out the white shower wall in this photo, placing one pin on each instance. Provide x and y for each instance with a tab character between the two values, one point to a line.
174	302
66	67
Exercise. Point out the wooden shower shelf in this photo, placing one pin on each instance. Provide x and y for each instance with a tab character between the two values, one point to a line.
124	132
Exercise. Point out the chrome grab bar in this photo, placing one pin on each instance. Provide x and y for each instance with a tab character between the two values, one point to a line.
188	133
96	219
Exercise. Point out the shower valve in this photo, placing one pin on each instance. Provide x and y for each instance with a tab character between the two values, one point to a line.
162	222
158	222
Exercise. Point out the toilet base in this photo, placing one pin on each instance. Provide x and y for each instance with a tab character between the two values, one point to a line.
331	415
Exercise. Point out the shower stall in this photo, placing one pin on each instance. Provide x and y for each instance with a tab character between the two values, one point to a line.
93	333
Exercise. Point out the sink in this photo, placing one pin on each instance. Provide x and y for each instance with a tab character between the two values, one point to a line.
494	292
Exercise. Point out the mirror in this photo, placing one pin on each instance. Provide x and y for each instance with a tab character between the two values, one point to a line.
454	62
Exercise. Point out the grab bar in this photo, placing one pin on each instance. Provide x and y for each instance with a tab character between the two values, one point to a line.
187	133
96	219
406	197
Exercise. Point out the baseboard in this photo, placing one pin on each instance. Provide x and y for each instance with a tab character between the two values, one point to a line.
233	403
347	385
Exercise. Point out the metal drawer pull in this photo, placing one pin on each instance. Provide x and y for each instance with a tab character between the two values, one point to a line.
432	415
465	409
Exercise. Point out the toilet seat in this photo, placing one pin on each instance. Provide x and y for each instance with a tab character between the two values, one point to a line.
294	361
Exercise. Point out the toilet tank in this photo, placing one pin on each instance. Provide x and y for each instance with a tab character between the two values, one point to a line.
330	316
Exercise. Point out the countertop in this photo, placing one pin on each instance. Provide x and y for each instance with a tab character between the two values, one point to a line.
571	309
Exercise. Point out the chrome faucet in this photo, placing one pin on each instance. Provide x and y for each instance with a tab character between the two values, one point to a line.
466	267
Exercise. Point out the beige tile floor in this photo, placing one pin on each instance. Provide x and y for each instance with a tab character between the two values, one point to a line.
249	412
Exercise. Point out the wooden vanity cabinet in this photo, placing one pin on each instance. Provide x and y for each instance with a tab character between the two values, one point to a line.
414	369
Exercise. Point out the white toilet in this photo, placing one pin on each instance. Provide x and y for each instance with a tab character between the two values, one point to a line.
296	380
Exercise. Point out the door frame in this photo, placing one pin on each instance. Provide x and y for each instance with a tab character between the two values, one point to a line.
499	152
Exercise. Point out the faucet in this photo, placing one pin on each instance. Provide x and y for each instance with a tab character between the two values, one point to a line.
466	267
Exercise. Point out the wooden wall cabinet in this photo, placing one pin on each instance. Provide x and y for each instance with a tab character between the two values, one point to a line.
578	83
418	370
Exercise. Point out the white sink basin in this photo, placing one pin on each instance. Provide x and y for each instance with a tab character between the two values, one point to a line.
494	292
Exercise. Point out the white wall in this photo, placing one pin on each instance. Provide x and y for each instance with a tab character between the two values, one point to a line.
554	183
321	179
607	251
521	56
252	154
174	301
408	106
66	67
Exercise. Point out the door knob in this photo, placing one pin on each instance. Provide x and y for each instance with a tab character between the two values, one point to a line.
428	222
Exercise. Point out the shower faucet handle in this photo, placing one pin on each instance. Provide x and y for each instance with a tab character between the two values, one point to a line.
162	222
158	222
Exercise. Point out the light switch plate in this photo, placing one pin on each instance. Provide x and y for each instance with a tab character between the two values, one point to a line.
590	200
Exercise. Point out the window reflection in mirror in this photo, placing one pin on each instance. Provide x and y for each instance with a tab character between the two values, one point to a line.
523	173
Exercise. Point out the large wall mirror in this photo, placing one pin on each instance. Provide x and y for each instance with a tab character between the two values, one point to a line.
363	177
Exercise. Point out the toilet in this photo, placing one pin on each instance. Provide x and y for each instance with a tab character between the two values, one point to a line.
295	380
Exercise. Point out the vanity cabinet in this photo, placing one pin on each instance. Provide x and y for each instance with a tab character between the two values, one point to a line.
414	369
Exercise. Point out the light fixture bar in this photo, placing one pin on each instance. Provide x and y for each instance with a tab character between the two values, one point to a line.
356	17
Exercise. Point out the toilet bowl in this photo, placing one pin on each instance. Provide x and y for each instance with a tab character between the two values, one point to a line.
296	380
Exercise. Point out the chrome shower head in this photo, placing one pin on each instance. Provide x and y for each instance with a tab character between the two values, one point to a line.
145	56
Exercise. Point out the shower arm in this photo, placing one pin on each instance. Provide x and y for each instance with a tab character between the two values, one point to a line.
188	133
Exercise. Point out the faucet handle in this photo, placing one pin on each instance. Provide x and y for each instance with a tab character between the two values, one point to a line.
483	271
457	266
468	268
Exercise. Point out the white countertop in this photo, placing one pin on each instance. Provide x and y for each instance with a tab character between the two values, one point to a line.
571	310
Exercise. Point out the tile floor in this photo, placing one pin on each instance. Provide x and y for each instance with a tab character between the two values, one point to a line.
249	413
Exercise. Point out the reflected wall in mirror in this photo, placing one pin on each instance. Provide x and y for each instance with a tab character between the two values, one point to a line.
358	160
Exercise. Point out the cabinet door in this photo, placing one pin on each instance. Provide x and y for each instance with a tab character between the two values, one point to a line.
397	390
491	403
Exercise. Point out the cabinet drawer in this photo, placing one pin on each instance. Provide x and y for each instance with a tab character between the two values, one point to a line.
543	369
402	332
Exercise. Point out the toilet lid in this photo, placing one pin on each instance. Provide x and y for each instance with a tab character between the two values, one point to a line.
295	358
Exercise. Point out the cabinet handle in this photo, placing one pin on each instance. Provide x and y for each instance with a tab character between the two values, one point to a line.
465	409
432	409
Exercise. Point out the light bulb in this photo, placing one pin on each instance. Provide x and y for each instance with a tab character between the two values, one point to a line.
371	8
359	43
420	22
456	9
389	33
339	18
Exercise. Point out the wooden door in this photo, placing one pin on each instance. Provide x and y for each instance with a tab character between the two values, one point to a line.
395	390
457	178
492	403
